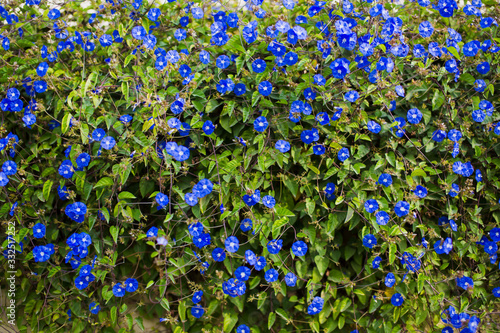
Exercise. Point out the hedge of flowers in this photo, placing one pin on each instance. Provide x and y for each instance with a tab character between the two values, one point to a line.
263	166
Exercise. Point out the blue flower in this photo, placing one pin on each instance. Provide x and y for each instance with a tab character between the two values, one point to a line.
208	127
316	306
414	116
455	189
290	279
343	154
181	153
9	168
439	135
152	232
397	299
94	308
340	68
330	188
242	273
76	211
374	127
465	283
265	88
261	263
202	240
260	124
282	145
425	29
203	188
385	179
108	142
490	247
352	96
319	150
402	208
250	257
81	283
259	66
271	275
269	201
483	68
98	134
420	191
218	254
299	248
54	14
197	296
369	241
376	262
138	32
390	280
274	246
371	205
39	230
222	62
131	285
443	246
197	311
161	199
382	217
232	244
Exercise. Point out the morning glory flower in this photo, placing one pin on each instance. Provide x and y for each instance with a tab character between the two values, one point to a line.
374	127
343	154
425	29
271	275
191	199
118	290
242	273
38	230
197	311
138	32
290	279
131	285
397	299
369	241
108	142
282	145
376	262
299	248
218	254
260	124
269	201
382	217
390	280
274	246
265	88
402	208
316	306
232	244
351	96
371	205
465	282
483	68
414	116
94	308
385	180
420	191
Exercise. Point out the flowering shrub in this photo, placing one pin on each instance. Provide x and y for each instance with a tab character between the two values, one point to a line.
265	166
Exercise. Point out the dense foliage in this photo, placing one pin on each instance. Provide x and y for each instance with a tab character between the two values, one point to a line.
266	166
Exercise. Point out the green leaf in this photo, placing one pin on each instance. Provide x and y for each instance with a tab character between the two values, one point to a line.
182	310
270	320
47	187
113	314
105	181
321	263
126	195
437	100
114	233
230	319
282	314
65	122
392	253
